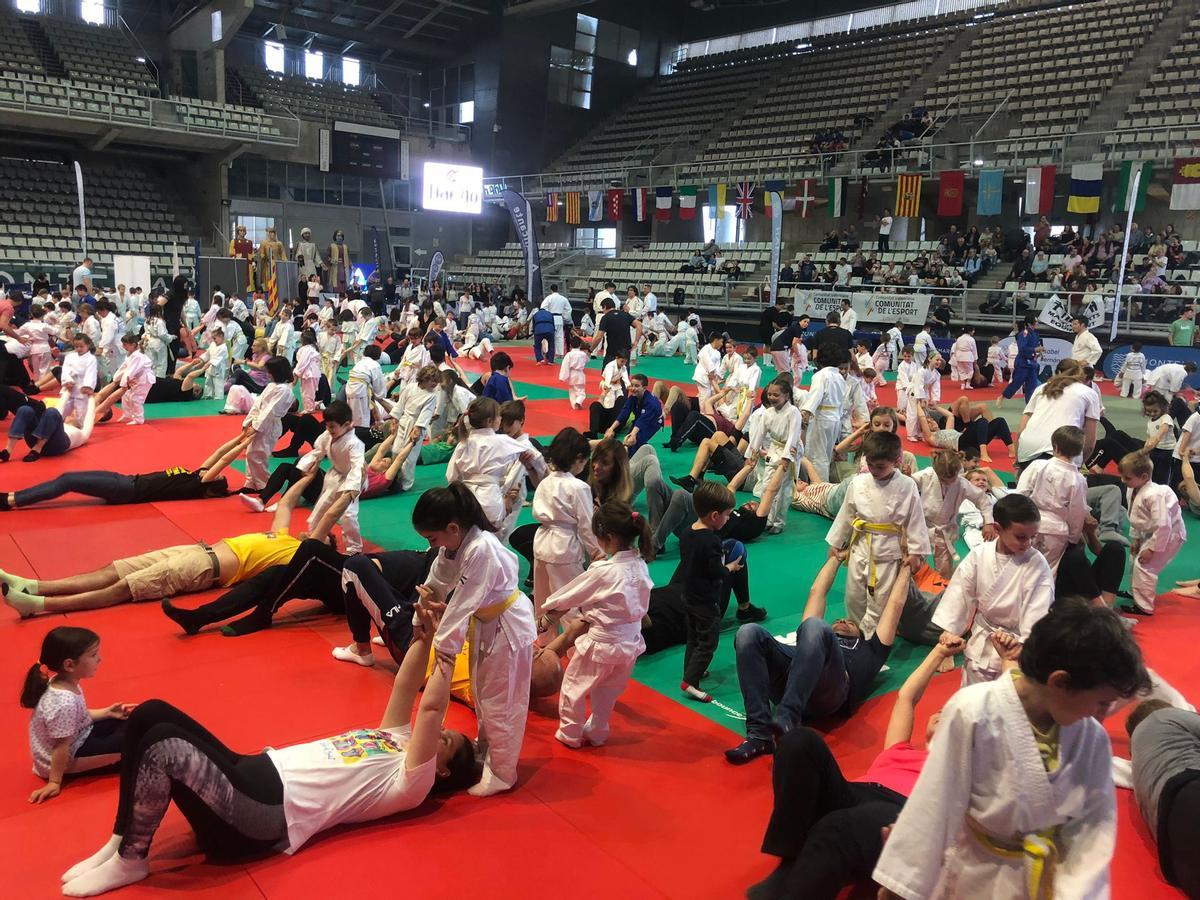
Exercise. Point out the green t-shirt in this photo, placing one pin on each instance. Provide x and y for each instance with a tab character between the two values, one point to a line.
1183	332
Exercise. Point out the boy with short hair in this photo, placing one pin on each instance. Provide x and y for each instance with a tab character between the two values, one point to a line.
1060	492
943	491
880	526
344	480
1156	526
364	385
1132	371
499	386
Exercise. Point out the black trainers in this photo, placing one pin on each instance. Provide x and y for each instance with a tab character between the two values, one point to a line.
751	613
749	749
687	482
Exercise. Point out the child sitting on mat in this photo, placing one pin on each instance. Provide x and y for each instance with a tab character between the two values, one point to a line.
65	737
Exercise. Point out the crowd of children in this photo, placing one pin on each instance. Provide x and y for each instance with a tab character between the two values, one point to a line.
825	446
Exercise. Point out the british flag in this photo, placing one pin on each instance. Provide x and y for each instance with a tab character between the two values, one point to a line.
745	200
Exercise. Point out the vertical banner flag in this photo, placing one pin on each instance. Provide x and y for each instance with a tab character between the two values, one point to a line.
1086	181
1185	184
573	207
82	216
522	219
663	198
775	201
552	206
615	203
864	190
641	204
950	193
436	264
687	201
837	197
805	198
595	206
375	251
991	192
908	196
1128	197
1112	336
716	200
771	189
745	200
1039	190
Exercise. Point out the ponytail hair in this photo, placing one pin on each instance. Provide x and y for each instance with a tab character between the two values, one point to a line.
438	507
480	414
618	519
59	645
1069	371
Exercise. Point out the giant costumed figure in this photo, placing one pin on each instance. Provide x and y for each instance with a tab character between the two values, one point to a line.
241	247
307	255
270	251
339	263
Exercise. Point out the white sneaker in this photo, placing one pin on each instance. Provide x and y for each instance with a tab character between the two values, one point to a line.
255	504
347	654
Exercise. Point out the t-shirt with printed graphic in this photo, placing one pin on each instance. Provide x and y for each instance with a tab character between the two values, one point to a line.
354	777
60	713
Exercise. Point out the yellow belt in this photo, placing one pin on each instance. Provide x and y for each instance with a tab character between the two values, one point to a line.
486	614
827	406
863	527
1038	847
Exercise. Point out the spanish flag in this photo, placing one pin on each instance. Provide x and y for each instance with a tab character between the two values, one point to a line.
572	207
908	196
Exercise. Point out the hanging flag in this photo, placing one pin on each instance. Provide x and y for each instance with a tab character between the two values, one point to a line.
595	206
864	190
1126	197
1185	183
745	200
663	198
805	198
1086	181
908	196
552	206
615	202
950	193
716	200
772	187
991	192
837	197
573	199
641	203
687	201
1039	190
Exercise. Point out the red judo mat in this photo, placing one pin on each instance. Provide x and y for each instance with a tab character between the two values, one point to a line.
656	813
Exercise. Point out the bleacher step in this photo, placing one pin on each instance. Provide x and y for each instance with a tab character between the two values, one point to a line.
41	45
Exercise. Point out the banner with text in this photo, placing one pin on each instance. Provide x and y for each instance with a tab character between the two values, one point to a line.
1057	313
871	306
523	224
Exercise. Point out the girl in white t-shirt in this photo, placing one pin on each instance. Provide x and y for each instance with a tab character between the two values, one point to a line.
65	736
249	804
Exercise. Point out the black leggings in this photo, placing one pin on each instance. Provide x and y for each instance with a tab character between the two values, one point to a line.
678	414
1076	575
284	475
305	429
315	572
981	432
695	427
825	829
1113	445
233	802
12	399
600	417
242	377
391	588
521	540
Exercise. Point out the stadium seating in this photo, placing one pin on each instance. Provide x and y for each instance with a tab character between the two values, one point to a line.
39	215
503	265
98	55
321	101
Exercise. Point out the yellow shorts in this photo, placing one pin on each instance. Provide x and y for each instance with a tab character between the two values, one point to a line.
164	573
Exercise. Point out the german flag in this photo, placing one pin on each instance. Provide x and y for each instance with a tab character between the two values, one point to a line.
908	196
572	207
552	206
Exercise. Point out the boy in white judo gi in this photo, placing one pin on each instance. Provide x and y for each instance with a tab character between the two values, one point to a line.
365	385
573	372
482	458
1003	585
344	480
943	491
824	408
264	423
413	413
906	373
1156	526
880	527
1060	492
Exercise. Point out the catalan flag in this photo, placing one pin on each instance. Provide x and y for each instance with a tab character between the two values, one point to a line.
572	207
908	196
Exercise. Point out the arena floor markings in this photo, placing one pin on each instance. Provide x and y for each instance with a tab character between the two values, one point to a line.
629	814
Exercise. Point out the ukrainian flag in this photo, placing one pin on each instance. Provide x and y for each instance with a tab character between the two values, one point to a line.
1086	181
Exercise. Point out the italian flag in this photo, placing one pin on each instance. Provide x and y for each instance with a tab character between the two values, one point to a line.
687	201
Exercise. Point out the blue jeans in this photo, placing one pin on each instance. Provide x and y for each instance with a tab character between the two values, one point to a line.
108	486
1025	377
805	681
32	427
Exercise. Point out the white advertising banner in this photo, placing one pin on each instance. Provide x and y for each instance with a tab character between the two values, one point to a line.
871	306
1057	313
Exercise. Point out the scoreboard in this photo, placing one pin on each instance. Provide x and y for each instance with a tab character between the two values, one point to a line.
364	150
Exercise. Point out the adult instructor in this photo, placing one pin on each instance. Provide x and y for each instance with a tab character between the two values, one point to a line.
559	307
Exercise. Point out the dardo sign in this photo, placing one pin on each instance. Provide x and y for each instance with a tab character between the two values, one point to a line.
452	188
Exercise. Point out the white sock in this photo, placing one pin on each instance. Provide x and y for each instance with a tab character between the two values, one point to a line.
109	848
251	501
489	784
111	874
17	583
378	641
347	654
696	694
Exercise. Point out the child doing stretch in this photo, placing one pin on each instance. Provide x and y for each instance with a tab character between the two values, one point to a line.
65	737
943	491
487	602
1016	798
613	597
1156	526
343	481
264	423
880	526
1060	492
1002	586
130	384
482	457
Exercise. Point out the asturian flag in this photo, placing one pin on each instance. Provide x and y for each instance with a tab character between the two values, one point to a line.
641	203
687	201
745	200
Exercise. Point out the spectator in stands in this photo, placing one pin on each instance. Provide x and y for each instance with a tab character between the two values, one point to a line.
710	251
972	266
808	271
1041	233
731	269
1039	265
787	275
850	241
830	242
885	231
1066	240
696	262
842	273
1183	329
1141	241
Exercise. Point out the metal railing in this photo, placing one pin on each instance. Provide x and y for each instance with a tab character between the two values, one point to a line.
1161	143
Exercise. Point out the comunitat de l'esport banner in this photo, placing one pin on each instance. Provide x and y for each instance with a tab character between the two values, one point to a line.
1155	357
870	306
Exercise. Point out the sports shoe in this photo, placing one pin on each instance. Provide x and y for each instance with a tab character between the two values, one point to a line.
751	613
749	749
687	482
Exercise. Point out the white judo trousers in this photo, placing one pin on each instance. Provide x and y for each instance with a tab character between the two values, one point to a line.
1144	580
351	533
603	683
500	677
133	402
